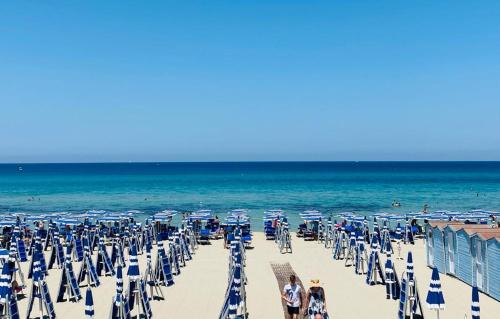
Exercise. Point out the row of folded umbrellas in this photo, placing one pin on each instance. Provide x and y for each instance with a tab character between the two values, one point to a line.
350	248
180	250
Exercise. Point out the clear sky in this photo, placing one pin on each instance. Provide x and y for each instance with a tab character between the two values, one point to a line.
249	80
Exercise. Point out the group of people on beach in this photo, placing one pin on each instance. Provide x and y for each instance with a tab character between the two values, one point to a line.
314	306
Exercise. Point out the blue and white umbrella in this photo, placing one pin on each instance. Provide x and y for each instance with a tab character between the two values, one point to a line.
409	266
474	310
149	247
399	232
89	304
133	268
435	299
38	275
5	285
119	286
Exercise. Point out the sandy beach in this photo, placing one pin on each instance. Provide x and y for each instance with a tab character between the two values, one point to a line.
199	289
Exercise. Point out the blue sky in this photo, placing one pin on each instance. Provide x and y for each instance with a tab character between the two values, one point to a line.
249	80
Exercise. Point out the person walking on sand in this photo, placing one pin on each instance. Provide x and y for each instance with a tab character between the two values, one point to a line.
316	301
292	294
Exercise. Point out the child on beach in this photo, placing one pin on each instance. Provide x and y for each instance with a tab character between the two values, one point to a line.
292	294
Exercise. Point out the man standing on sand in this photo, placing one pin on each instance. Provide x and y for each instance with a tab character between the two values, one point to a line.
292	294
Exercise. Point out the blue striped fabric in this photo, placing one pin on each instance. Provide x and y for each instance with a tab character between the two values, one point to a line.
475	310
133	268
435	299
89	304
5	285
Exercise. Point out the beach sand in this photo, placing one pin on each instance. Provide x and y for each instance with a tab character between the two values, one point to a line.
199	290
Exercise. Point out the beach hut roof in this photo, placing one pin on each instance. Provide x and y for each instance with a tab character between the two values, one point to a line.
441	224
487	234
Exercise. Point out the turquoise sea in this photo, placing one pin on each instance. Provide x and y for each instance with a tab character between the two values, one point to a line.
363	187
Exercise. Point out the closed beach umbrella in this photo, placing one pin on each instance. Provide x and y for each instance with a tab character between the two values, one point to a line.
133	268
89	304
5	287
409	266
134	275
475	303
119	286
399	231
149	246
435	299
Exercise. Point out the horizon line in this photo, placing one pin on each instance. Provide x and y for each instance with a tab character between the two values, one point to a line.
256	161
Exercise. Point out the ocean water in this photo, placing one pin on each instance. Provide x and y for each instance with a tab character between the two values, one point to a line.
331	187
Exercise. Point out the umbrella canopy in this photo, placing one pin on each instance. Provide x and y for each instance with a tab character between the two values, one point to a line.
89	304
133	268
119	286
149	246
37	270
474	310
409	266
435	299
399	231
374	243
13	250
5	285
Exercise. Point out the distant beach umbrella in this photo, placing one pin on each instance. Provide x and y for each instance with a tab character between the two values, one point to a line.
435	299
89	304
475	303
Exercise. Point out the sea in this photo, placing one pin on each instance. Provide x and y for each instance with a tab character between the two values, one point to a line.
330	187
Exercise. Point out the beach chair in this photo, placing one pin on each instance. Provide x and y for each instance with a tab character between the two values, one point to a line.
150	277
87	269
340	247
103	263
351	250
117	252
374	274
68	284
40	291
78	247
174	259
163	270
204	236
361	257
21	248
56	254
